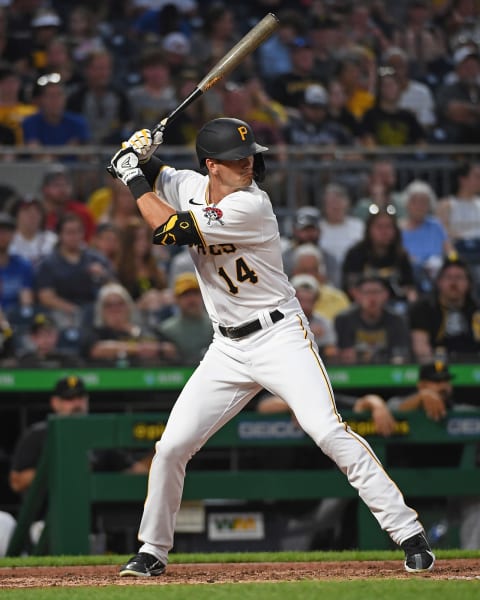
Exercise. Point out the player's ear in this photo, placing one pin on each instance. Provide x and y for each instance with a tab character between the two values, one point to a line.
54	403
211	165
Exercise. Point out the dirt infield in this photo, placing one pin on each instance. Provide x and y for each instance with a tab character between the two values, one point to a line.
21	577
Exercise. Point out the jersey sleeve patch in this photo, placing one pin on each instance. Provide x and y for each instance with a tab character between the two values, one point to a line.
181	229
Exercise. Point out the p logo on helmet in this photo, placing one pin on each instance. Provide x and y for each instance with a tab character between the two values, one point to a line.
243	131
218	139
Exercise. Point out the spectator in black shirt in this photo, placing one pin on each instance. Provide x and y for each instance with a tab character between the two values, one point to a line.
313	125
70	397
449	318
289	89
381	252
338	111
69	278
386	124
47	346
368	331
7	136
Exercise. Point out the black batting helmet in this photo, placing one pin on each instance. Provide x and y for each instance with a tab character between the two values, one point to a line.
230	139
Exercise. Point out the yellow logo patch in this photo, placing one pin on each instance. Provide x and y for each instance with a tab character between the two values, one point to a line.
243	131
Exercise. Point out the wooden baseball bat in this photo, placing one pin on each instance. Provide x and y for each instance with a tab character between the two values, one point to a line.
248	44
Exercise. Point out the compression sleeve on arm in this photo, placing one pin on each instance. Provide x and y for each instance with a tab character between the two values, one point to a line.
151	169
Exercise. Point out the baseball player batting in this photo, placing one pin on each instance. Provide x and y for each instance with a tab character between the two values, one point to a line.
262	338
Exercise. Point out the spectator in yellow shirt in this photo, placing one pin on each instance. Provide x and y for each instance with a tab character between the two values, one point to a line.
357	86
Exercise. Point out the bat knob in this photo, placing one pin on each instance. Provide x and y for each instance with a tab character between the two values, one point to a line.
111	171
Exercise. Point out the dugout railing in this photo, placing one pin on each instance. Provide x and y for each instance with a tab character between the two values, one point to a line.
65	478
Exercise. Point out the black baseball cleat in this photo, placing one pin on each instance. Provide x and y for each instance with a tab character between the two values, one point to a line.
142	565
419	557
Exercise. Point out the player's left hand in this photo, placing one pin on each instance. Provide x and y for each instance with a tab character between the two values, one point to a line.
125	164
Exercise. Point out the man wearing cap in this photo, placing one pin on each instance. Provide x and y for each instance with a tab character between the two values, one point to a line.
69	397
435	396
16	273
449	317
458	103
190	329
312	126
42	346
306	230
313	129
308	291
176	46
46	26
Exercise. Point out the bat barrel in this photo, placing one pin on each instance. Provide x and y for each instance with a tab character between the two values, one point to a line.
250	42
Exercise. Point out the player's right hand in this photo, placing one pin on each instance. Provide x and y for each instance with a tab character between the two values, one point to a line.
125	164
145	143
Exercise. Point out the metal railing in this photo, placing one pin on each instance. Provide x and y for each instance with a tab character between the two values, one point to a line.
296	176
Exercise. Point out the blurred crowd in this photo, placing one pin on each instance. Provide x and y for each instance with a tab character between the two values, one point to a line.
373	73
390	274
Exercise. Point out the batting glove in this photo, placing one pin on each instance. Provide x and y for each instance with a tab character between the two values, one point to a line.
125	165
145	143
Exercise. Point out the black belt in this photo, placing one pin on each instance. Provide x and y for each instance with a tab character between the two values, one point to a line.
235	333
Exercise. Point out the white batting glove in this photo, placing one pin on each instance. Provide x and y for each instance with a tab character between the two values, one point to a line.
145	143
125	164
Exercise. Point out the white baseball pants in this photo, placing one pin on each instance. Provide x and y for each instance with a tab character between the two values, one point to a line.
282	358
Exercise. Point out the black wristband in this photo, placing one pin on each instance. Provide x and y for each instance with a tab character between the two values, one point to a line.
139	186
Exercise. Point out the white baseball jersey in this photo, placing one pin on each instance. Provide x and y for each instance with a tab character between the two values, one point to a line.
239	265
238	260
